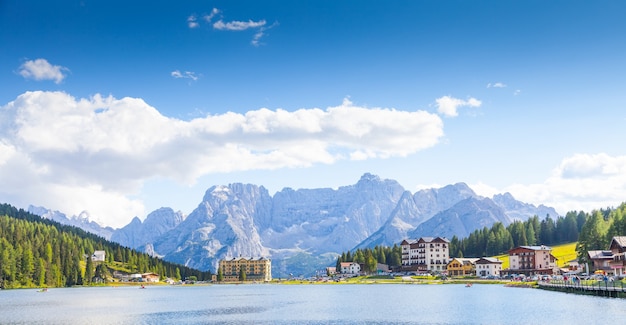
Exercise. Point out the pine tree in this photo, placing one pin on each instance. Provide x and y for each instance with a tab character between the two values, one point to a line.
89	270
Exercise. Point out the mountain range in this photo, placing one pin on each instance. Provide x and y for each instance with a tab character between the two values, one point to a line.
304	230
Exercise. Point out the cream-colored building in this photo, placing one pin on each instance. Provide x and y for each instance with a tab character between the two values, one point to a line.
256	269
462	266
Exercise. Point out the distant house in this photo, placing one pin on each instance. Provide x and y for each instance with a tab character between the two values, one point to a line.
611	261
618	247
350	268
98	256
462	267
331	270
531	260
488	266
382	268
150	277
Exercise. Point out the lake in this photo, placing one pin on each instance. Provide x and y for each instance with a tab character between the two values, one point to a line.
306	304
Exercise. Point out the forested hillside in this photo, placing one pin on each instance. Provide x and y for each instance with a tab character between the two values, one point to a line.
591	231
36	252
499	239
600	228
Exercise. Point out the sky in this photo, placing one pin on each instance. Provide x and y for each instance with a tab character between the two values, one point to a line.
122	107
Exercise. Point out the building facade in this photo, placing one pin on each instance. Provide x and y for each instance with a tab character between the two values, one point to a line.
462	267
350	268
611	261
98	256
427	254
256	269
531	260
488	266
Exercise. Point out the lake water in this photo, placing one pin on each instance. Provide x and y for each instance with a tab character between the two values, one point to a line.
307	304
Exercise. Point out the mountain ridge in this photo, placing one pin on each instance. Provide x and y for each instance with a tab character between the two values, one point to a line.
312	226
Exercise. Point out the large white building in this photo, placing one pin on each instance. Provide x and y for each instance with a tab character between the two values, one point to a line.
427	254
350	268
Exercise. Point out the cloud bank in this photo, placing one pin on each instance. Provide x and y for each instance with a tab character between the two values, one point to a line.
580	182
68	154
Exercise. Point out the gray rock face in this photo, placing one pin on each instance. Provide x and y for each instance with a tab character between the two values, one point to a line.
518	210
221	226
158	222
81	221
462	219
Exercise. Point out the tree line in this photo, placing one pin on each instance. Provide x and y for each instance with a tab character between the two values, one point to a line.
599	229
499	239
37	252
369	257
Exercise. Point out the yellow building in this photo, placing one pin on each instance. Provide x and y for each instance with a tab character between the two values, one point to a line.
259	269
462	267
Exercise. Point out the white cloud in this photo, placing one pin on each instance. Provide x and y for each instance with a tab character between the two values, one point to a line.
95	153
238	25
192	21
517	92
260	27
41	69
496	85
580	182
187	75
448	106
210	16
256	40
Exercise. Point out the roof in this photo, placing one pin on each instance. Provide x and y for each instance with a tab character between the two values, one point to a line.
346	264
488	260
465	260
426	240
246	259
600	255
620	240
532	248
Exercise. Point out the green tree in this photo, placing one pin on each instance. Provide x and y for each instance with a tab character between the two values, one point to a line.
592	236
220	275
89	270
40	272
242	274
370	262
530	234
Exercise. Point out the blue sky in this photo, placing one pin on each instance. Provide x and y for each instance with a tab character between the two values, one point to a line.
120	108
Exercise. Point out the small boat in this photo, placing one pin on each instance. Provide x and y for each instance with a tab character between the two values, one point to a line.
142	287
468	285
43	290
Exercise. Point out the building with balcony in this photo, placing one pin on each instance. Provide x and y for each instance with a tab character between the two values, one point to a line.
611	261
256	269
531	260
462	267
427	254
